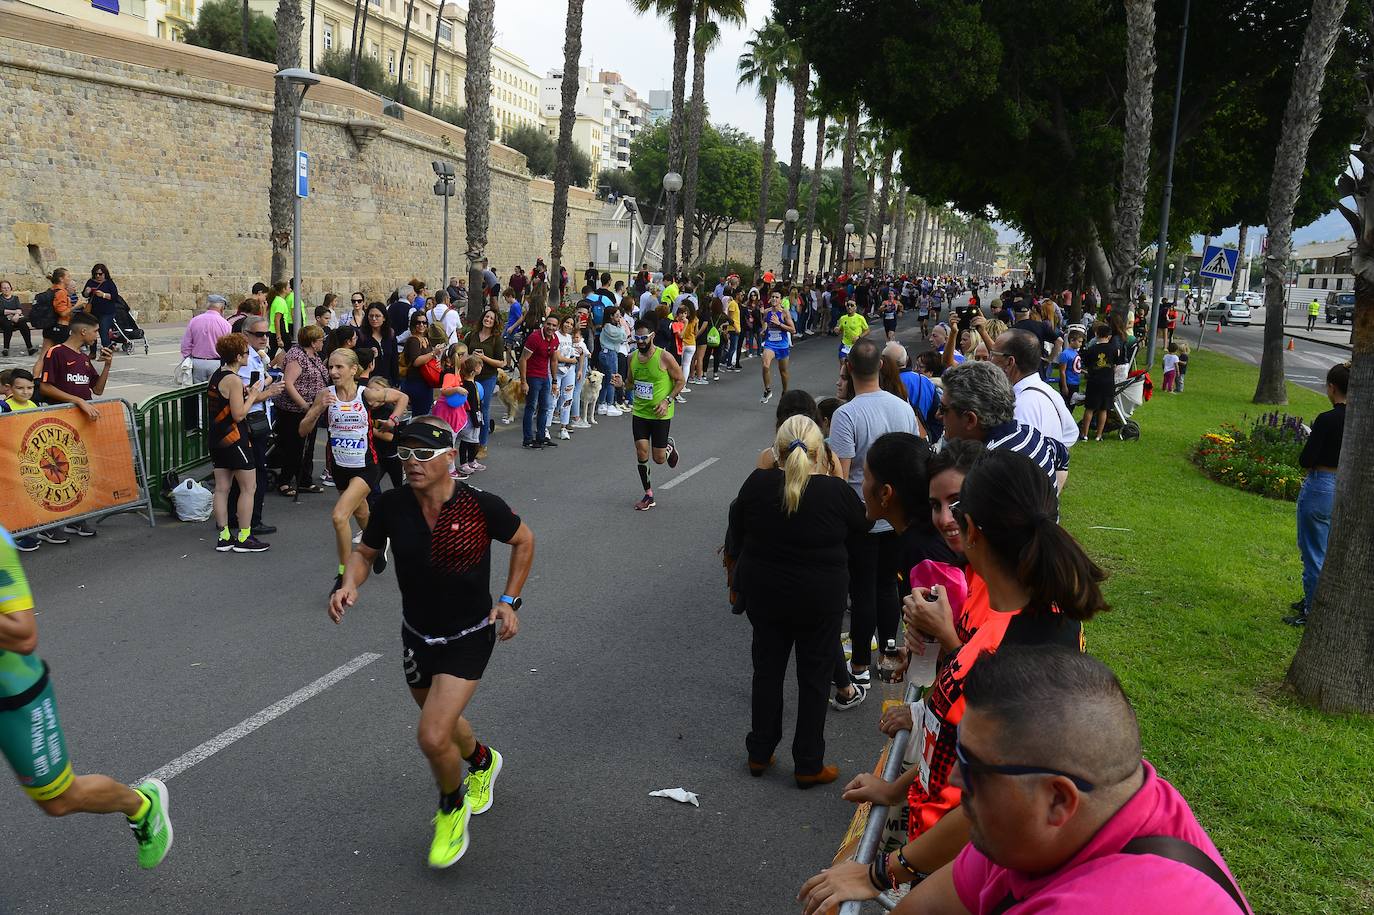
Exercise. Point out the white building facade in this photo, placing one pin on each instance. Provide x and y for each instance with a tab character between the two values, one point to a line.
604	98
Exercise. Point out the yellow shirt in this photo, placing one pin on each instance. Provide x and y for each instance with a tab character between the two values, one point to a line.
732	309
19	405
853	327
689	332
669	296
1314	309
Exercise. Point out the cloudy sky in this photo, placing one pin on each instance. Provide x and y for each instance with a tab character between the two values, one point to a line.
640	49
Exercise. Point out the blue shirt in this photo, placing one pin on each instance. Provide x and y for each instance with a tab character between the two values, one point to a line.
1070	366
516	310
1049	454
921	393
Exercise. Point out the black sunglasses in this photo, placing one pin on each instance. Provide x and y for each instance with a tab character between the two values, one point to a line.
357	301
256	333
968	764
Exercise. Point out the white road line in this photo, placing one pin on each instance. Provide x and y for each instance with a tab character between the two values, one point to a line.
252	723
695	470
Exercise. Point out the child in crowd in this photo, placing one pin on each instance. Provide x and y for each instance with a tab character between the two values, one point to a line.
1182	366
5	379
1070	367
1099	361
470	436
451	400
1170	367
826	410
19	384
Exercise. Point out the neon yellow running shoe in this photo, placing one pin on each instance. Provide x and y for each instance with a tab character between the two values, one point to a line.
450	836
481	784
154	831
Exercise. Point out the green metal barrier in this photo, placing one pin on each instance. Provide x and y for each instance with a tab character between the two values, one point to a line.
167	446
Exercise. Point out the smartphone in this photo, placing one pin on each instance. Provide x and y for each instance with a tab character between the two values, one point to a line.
253	377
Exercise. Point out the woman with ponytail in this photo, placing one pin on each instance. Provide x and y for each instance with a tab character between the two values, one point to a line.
1029	582
792	522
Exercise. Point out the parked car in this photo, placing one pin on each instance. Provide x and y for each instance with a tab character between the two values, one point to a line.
1228	311
1253	299
1340	307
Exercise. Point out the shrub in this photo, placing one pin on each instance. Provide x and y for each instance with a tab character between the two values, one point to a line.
1262	459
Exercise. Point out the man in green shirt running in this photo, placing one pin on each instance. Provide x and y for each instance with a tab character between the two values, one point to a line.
31	737
655	379
852	326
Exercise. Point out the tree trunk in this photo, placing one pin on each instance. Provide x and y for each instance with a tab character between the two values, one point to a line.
285	101
1242	240
682	37
362	33
868	219
695	117
883	203
1124	256
811	197
801	84
919	231
1076	302
562	167
898	257
401	64
1299	121
353	39
311	33
846	185
434	64
477	149
765	182
243	29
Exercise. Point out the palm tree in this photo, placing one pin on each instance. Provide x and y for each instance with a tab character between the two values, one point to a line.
358	50
889	149
851	136
401	64
286	101
867	153
679	13
761	65
899	217
243	27
817	111
434	63
1299	121
705	34
477	146
562	163
799	74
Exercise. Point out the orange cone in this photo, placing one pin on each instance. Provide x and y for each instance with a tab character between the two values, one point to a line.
1290	343
1218	327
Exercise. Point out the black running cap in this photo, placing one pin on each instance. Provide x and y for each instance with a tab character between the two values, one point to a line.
425	434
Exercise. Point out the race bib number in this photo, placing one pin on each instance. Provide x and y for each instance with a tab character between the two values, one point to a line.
644	390
925	726
349	450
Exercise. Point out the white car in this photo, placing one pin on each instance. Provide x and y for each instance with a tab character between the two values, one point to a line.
1228	312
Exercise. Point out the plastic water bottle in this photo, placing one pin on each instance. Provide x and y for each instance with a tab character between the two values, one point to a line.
890	661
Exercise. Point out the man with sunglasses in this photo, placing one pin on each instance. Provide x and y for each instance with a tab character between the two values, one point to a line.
656	379
256	372
1064	814
440	532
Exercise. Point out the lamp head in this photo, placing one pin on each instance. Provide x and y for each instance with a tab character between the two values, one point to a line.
672	182
299	76
792	215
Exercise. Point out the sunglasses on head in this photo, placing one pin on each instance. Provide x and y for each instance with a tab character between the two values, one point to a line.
422	455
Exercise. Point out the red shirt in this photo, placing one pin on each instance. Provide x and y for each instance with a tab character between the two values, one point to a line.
541	351
70	371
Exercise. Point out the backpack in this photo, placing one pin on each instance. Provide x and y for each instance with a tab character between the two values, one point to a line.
41	315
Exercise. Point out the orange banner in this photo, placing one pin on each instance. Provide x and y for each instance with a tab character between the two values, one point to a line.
65	465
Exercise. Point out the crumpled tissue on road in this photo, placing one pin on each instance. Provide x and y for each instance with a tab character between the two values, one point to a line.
682	795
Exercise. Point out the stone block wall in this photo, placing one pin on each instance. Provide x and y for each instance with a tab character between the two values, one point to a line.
155	159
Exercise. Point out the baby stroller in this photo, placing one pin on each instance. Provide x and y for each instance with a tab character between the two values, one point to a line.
126	330
1129	394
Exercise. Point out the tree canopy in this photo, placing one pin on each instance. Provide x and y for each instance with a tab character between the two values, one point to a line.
541	152
220	28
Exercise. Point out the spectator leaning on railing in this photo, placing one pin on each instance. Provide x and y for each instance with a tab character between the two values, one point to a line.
69	376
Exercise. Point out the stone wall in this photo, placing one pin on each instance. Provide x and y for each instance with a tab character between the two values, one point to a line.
154	158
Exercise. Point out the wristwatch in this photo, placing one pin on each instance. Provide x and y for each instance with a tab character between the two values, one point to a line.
515	602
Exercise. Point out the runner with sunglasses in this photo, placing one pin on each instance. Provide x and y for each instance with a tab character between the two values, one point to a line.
656	378
440	532
352	454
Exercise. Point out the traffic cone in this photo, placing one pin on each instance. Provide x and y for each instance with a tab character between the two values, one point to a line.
1218	327
1290	343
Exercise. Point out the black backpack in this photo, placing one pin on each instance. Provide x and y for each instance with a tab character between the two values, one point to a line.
41	315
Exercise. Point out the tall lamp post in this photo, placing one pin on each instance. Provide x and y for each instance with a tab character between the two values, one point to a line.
848	231
445	187
672	183
789	248
298	76
632	210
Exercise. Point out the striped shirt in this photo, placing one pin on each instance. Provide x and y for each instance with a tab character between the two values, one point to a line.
1050	455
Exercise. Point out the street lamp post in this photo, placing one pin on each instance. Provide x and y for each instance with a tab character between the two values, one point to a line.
848	231
445	187
297	76
631	208
789	248
672	183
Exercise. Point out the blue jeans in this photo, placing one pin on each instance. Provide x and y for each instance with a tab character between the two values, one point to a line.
732	348
536	426
488	392
1314	525
609	366
106	322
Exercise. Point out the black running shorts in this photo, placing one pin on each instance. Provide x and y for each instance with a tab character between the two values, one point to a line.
342	476
654	431
465	658
235	457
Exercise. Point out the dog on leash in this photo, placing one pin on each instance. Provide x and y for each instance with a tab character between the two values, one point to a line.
508	390
591	390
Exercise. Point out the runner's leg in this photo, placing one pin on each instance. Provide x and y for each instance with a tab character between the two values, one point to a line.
442	726
766	363
782	372
353	500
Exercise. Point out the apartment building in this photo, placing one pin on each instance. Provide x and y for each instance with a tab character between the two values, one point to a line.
602	97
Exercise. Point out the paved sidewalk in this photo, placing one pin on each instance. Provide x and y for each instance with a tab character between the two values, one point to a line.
135	377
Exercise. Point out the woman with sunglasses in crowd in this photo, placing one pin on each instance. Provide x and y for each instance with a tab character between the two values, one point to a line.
418	350
376	335
352	453
102	297
1039	586
356	315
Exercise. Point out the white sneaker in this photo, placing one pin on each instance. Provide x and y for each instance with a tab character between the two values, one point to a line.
601	409
614	411
681	399
581	424
506	420
564	434
687	390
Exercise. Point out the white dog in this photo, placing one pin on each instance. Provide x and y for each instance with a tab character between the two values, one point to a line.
591	389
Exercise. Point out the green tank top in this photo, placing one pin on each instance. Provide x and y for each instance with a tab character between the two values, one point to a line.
17	671
652	383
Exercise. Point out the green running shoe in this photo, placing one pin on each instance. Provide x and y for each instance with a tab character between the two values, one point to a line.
450	836
154	831
480	784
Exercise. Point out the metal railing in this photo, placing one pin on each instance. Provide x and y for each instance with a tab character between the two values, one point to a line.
168	447
877	814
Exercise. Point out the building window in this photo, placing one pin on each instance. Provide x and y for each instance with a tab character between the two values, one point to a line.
410	71
390	63
424	75
445	82
328	35
1324	282
446	33
613	252
372	49
161	29
429	22
1339	281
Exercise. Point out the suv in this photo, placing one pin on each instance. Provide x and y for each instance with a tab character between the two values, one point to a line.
1340	307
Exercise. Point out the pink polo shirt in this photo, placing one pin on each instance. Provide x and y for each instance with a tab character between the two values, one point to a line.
1102	879
201	333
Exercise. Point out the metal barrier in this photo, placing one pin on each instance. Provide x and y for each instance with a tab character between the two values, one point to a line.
877	814
167	445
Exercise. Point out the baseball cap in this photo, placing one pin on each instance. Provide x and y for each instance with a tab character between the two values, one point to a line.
425	434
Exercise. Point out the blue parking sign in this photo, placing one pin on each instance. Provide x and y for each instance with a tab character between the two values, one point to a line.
302	173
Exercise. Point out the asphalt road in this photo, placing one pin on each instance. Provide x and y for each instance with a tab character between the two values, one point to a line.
1306	364
629	675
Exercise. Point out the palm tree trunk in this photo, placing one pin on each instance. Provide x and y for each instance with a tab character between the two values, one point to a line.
696	116
765	182
682	37
311	64
1241	241
477	147
401	64
811	196
285	102
1299	121
353	38
883	204
562	163
362	33
899	217
801	82
243	29
919	230
1124	258
847	184
868	218
434	64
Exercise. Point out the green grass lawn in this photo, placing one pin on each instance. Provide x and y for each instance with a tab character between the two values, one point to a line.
1198	584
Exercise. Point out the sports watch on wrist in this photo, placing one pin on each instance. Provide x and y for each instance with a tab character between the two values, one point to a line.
515	602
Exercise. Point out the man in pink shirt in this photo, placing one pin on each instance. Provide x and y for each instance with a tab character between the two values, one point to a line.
198	343
1066	816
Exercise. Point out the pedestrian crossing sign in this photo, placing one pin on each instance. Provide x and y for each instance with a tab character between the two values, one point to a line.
1219	263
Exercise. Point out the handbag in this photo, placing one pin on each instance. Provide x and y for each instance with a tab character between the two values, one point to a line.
259	426
431	373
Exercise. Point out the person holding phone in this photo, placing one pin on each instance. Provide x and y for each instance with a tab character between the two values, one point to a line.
102	297
69	376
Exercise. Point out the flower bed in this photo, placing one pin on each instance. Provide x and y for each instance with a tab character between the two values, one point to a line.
1262	459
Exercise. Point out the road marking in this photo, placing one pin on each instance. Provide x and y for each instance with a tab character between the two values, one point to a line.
695	470
252	723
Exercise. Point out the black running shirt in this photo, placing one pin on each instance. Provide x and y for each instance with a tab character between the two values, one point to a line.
444	573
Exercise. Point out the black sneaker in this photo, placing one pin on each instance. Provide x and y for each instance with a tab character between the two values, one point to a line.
672	452
263	530
26	544
251	545
1297	619
51	535
534	446
224	544
547	443
79	529
841	704
1298	605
